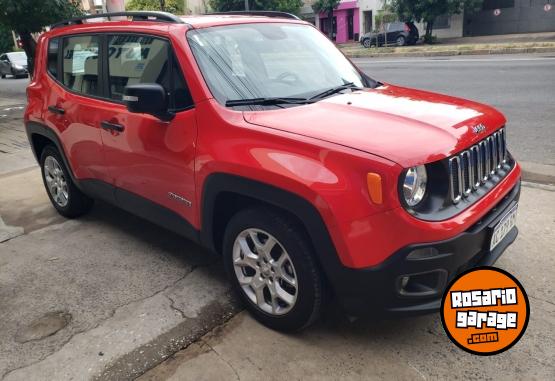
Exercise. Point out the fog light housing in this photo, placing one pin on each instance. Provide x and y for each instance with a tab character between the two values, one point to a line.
423	253
430	283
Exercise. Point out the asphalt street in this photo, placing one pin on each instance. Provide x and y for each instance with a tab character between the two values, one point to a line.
14	88
520	86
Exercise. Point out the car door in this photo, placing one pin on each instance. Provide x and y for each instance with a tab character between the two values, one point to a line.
73	103
151	161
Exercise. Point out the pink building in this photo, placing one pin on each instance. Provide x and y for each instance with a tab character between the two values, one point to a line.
345	23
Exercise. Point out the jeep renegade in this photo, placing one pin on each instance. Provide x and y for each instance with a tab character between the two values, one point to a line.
254	136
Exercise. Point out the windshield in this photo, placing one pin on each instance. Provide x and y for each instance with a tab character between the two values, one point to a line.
18	57
269	60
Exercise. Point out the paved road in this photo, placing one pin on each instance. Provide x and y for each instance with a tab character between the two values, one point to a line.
12	87
521	86
415	348
140	293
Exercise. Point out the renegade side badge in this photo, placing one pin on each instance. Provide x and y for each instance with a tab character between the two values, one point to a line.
179	198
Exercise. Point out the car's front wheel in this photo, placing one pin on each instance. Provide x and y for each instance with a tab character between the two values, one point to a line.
401	41
271	265
68	200
367	43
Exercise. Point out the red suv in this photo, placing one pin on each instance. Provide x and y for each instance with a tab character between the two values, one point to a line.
255	137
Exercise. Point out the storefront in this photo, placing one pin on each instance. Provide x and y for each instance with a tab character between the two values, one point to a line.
345	23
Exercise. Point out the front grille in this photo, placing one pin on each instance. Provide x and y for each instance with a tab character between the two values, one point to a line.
471	169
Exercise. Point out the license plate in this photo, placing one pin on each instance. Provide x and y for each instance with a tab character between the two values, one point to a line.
503	228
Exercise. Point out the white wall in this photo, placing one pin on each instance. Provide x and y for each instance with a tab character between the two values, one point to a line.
196	7
368	5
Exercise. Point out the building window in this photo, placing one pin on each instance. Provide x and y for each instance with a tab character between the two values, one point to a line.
498	4
442	22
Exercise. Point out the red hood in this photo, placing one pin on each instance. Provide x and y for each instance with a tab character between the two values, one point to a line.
404	125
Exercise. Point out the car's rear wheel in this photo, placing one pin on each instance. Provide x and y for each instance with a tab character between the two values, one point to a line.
68	200
272	268
401	41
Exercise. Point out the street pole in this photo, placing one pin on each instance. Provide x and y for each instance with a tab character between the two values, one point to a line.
246	5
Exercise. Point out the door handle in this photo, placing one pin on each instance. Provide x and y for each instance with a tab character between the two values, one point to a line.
56	110
111	126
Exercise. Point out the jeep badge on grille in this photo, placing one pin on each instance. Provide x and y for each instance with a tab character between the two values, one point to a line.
479	128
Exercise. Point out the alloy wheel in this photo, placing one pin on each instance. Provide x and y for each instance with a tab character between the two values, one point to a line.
56	181
265	271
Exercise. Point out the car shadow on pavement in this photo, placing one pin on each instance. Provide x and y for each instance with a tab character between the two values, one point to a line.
158	238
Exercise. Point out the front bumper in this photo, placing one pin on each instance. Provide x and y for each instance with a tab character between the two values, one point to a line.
386	290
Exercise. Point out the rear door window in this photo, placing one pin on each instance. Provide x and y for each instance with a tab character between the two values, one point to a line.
80	64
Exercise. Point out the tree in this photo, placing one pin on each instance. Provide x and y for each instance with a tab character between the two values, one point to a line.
6	39
289	6
26	17
428	10
172	6
326	6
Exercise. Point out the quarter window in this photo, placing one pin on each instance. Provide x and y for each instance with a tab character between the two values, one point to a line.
135	59
53	57
80	64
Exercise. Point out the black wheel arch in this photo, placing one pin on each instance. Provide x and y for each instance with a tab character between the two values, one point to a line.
39	136
241	190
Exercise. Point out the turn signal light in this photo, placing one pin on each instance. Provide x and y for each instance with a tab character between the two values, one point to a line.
374	182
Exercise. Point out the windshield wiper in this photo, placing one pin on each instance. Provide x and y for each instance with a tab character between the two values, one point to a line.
266	101
333	90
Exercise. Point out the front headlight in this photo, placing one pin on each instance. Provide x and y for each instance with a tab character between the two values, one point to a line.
17	67
414	185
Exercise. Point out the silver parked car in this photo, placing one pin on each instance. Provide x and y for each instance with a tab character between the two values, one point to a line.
13	63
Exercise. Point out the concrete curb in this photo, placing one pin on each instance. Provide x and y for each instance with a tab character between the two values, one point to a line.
538	173
141	334
8	232
458	52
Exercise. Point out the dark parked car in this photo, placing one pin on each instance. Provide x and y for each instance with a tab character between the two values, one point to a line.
398	33
13	63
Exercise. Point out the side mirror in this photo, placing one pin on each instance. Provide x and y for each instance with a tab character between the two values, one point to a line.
148	98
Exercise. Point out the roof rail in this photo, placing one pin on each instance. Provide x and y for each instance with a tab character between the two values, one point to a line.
283	15
135	16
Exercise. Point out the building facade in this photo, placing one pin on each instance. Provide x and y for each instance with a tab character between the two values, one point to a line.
511	16
355	18
345	23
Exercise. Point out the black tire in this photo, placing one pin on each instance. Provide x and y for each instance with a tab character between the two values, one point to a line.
77	202
309	298
367	43
401	41
3	76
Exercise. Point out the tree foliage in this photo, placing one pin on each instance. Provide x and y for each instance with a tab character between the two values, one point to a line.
26	17
172	6
326	6
6	40
428	10
290	6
